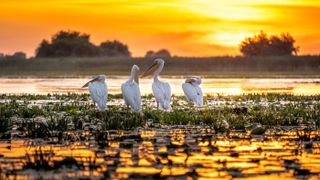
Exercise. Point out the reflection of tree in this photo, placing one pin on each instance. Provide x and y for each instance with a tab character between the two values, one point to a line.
262	45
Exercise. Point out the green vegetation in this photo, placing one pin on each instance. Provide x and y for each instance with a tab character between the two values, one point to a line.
235	67
72	136
51	118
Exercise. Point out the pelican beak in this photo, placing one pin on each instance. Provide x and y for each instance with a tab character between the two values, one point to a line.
151	70
136	77
190	80
87	84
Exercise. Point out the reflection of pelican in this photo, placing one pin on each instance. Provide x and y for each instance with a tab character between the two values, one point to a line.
130	90
161	90
98	91
192	91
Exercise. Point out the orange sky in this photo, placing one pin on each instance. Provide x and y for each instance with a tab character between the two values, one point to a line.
185	27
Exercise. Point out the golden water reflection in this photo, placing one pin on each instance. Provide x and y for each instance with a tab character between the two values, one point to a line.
157	153
213	86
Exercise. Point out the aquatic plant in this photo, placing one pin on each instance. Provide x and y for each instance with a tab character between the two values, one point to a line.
74	112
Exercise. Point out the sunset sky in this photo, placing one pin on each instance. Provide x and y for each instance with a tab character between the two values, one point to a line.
185	27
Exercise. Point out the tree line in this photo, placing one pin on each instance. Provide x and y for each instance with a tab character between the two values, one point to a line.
76	44
15	56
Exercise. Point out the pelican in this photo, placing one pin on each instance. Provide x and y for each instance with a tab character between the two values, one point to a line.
192	91
98	91
161	90
131	91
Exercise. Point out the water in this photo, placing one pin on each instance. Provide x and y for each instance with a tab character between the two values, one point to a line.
211	86
171	152
182	152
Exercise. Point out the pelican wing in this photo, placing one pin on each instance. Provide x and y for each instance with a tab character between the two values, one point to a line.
131	95
193	93
162	93
199	101
99	94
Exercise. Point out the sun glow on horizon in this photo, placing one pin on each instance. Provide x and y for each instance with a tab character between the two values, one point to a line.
186	28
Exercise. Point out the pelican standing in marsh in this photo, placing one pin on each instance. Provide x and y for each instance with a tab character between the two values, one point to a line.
161	90
192	91
98	91
131	91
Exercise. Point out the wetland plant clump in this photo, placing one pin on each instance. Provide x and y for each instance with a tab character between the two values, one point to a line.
53	115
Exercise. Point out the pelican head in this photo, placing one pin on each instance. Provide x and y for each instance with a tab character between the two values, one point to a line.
135	71
100	78
194	80
156	66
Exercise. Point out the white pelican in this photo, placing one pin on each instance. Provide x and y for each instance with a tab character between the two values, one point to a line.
98	91
192	91
131	91
161	90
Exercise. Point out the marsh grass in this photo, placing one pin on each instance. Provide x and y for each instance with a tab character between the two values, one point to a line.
75	112
39	160
275	66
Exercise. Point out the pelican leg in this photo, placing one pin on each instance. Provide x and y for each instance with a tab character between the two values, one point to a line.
93	105
157	105
103	115
128	108
141	114
189	104
192	106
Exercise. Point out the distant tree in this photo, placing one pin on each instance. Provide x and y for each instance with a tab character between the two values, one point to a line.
283	44
162	53
19	55
262	45
114	48
150	54
16	56
76	44
67	43
45	49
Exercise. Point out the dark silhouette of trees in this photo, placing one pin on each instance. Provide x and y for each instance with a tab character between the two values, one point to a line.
1	56
162	53
76	44
19	55
114	48
149	53
262	45
66	44
44	50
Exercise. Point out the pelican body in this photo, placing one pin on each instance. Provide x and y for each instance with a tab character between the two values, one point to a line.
131	91
193	92
161	90
98	91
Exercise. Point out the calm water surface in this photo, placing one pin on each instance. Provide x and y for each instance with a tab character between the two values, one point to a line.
179	153
211	86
